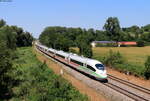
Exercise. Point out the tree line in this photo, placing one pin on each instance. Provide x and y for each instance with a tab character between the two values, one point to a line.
11	37
63	38
14	36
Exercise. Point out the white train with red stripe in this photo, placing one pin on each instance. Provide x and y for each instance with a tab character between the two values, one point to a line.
89	66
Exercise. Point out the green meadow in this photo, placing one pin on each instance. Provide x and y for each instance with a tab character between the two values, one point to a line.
134	55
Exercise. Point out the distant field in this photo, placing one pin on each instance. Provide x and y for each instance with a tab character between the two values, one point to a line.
134	55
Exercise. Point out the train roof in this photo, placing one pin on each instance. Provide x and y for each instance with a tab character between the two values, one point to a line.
76	57
50	49
89	61
63	53
43	46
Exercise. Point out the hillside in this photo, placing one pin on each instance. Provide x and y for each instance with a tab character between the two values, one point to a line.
36	82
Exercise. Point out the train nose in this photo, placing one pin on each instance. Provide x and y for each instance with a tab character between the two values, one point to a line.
105	75
102	74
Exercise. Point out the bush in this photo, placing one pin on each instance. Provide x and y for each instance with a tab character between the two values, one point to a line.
114	58
5	70
73	51
147	43
140	43
147	66
130	68
87	51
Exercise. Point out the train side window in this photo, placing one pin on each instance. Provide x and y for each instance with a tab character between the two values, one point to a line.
50	52
91	68
77	62
60	56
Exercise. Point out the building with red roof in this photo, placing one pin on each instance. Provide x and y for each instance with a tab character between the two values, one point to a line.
127	43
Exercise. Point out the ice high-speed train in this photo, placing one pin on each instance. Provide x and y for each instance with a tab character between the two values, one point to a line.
91	67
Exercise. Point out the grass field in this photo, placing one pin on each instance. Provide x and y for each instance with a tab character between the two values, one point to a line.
134	55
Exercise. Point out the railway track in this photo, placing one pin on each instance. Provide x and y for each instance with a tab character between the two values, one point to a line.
145	90
124	91
138	93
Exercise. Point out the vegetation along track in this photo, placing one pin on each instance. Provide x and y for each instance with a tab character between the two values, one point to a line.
122	90
129	89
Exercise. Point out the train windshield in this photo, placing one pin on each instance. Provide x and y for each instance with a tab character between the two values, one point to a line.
100	66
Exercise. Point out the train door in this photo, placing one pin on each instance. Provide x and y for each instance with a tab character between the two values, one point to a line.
68	58
85	63
54	53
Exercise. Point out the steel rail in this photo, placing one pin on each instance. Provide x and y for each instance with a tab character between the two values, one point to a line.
140	88
125	92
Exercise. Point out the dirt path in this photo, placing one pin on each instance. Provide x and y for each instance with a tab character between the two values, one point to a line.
130	78
83	88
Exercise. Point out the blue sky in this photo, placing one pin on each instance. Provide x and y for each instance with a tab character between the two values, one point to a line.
35	15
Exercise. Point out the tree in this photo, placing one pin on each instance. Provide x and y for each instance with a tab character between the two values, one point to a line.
62	43
114	58
146	28
136	31
22	38
28	38
49	35
145	37
80	42
128	37
140	43
2	23
5	69
87	51
8	37
90	35
84	46
101	36
147	67
112	28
